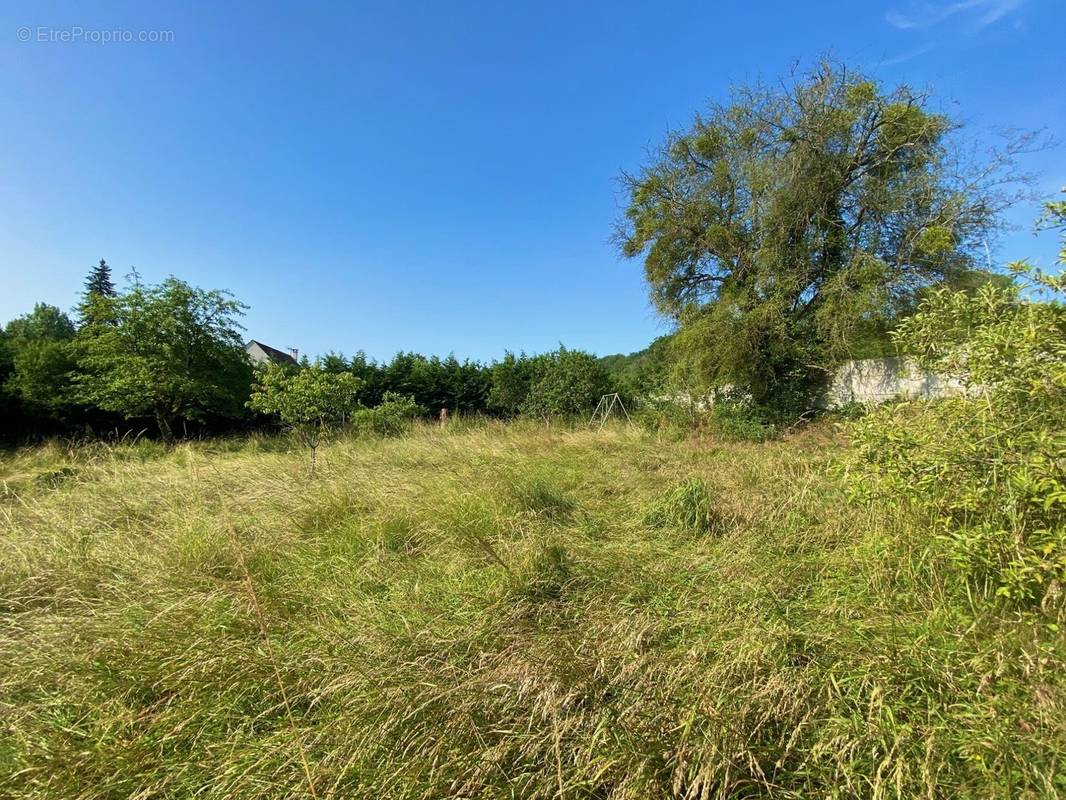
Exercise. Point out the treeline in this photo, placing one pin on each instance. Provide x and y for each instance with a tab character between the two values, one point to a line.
784	231
548	385
169	359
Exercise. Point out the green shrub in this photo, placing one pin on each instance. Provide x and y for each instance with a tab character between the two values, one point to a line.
739	421
310	401
989	465
393	416
565	383
666	415
688	507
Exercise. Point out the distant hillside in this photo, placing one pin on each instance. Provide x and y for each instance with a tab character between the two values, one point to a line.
643	369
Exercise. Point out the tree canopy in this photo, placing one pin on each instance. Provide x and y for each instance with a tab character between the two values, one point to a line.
780	224
643	372
561	383
44	322
40	357
310	400
173	352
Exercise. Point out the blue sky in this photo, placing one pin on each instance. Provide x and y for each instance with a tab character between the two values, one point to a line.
433	176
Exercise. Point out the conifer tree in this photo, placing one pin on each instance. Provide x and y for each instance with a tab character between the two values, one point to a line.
99	283
99	289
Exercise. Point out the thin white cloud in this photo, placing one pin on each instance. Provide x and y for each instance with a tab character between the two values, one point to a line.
908	55
979	13
999	10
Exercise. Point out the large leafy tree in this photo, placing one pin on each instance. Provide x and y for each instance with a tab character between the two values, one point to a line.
171	352
779	225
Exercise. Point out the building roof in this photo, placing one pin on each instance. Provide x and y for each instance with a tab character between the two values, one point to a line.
272	353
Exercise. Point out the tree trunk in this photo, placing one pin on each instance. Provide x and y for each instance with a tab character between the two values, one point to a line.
166	429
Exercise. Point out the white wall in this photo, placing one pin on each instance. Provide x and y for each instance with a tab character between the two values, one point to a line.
869	380
875	380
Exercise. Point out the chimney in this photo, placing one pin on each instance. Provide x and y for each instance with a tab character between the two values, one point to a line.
295	353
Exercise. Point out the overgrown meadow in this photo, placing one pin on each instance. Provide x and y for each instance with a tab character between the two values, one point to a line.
722	600
504	610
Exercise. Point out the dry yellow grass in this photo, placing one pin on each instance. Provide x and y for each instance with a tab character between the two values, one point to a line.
498	611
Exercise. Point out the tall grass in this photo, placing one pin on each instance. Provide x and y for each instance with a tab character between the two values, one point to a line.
501	612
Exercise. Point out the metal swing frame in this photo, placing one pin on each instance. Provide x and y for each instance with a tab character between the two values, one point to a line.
604	408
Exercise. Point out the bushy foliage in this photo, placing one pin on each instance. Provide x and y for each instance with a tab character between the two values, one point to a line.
435	383
561	383
738	419
512	377
727	415
564	383
170	352
41	373
777	226
173	353
311	401
988	465
645	372
8	403
392	416
39	345
666	413
304	396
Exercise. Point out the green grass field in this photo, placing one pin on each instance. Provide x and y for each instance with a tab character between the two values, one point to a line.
497	612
